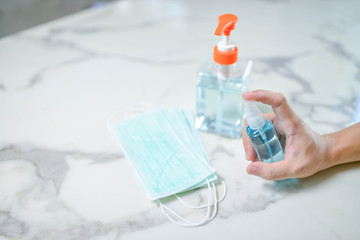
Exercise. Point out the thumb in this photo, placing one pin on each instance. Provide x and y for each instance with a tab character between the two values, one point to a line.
270	171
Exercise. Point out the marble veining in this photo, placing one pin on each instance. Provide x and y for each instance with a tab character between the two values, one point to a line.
62	174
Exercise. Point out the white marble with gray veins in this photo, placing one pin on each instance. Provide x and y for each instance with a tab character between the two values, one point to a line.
62	175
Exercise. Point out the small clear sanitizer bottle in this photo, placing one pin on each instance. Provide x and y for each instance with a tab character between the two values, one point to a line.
262	135
221	82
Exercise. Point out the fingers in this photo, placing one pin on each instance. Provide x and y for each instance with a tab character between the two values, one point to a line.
270	171
276	100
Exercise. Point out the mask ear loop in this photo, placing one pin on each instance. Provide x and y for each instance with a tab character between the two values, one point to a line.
164	209
204	206
213	204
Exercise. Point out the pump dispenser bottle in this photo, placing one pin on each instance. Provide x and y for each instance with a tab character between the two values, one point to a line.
262	135
221	82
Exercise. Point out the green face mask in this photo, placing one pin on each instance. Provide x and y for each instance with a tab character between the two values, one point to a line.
166	152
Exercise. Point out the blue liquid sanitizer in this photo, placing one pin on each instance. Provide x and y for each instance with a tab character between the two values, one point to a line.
221	82
262	135
266	143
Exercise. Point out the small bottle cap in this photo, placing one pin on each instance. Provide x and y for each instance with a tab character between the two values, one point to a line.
253	115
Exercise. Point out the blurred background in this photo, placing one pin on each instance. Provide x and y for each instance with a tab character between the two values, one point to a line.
16	15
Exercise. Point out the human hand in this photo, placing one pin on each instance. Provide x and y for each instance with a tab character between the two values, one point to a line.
306	152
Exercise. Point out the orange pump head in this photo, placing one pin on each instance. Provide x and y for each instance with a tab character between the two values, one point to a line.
226	24
225	53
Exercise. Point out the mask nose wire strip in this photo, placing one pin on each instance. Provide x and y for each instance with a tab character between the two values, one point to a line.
204	206
130	112
164	209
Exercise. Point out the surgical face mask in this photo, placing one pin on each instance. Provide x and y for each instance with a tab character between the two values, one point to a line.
166	152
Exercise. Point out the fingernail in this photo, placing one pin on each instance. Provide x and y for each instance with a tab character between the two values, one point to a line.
252	169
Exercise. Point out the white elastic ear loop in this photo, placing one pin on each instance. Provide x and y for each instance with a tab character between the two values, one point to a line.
208	206
164	208
204	206
188	223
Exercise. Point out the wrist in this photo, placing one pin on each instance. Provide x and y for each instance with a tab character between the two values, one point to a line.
331	150
344	145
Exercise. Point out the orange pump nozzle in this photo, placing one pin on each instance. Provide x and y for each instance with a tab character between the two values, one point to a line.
226	24
225	52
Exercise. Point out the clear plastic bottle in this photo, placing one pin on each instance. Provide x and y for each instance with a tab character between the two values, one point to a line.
266	143
219	100
221	82
262	135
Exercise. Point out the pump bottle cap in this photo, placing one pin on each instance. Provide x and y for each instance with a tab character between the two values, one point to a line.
225	52
253	115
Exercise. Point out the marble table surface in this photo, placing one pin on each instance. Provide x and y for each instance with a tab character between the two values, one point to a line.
62	175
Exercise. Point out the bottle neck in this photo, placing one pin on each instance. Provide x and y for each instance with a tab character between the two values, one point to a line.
224	71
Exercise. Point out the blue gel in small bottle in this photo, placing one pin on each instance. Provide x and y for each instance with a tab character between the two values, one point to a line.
262	135
266	143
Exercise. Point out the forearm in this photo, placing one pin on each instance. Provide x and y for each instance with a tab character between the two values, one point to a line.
344	145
